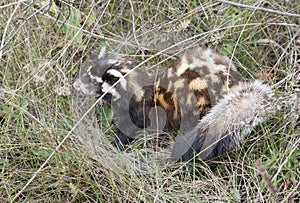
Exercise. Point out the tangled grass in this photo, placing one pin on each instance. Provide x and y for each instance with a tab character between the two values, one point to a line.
46	155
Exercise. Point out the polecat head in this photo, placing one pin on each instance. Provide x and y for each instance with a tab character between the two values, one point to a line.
105	76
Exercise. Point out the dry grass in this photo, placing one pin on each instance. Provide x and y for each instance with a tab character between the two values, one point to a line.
44	43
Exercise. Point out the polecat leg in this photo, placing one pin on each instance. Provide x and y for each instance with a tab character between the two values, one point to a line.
221	148
122	141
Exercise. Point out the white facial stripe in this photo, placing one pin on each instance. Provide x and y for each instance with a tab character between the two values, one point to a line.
98	79
118	74
115	73
107	88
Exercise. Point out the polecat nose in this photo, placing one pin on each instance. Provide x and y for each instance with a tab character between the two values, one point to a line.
76	85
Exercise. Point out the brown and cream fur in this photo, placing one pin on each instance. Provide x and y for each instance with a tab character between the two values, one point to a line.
194	84
193	96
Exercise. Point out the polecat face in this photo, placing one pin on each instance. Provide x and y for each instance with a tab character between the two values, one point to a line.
88	83
105	76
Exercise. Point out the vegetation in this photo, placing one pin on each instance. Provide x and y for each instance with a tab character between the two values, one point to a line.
46	155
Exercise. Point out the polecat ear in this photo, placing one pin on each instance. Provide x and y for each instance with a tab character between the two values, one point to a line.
102	53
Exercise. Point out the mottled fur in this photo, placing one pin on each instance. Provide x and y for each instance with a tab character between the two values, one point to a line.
194	84
180	98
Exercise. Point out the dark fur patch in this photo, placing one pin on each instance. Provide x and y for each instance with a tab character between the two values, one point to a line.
233	77
169	103
204	70
203	101
220	59
177	64
110	79
190	75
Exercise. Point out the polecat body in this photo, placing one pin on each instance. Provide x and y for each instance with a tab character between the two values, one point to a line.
198	81
194	83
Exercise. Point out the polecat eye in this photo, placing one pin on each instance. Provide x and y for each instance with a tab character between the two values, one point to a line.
95	83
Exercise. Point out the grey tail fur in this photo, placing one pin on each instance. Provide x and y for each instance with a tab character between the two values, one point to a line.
223	129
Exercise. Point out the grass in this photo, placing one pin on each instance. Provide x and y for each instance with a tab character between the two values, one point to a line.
43	46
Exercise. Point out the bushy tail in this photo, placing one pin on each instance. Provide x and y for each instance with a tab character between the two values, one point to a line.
223	129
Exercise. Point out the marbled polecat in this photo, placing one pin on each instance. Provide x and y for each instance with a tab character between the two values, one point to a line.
201	95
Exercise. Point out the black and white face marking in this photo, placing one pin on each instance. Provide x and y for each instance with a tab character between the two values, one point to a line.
111	77
88	84
102	76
